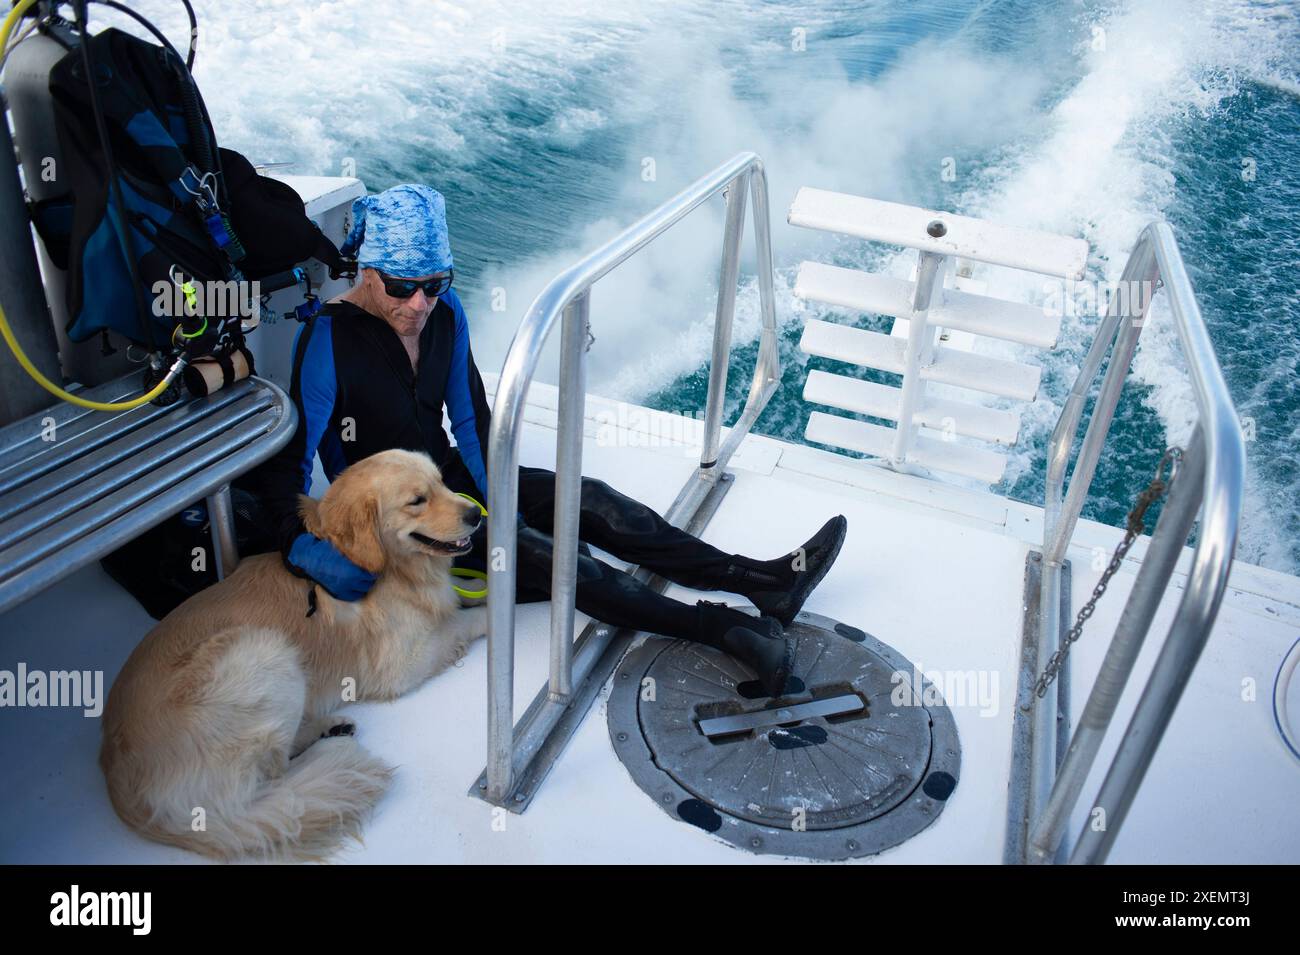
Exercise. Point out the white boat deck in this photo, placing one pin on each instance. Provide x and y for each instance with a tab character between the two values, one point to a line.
934	571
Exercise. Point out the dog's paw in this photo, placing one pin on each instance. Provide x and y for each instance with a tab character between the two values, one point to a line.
341	728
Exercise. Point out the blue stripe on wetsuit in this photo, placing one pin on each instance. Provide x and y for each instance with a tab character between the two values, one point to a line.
460	403
318	385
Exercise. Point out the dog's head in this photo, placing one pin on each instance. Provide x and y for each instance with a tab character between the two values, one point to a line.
392	506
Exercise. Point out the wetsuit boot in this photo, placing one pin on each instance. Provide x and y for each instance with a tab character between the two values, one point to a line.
758	642
778	588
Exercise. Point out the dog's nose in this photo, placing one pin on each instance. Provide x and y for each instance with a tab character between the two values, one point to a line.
473	517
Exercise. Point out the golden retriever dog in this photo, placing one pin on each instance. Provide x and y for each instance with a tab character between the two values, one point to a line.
219	734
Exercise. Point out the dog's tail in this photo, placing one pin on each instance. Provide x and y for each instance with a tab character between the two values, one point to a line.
310	810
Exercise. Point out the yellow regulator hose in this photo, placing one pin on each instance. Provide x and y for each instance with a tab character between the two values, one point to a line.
68	396
6	31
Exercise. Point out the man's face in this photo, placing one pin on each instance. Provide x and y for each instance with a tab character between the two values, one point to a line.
406	316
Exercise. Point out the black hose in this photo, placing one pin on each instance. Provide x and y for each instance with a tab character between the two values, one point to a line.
194	118
138	18
222	195
194	36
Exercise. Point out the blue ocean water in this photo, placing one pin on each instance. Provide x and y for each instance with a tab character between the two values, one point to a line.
549	127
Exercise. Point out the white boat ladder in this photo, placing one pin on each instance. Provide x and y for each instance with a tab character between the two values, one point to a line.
939	306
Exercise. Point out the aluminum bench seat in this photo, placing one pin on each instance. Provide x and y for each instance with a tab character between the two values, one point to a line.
77	484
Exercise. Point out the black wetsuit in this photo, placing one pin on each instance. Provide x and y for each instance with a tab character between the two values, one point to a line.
356	395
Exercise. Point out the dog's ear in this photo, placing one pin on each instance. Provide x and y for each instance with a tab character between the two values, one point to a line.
351	523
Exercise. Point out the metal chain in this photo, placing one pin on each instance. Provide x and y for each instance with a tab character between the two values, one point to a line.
1154	491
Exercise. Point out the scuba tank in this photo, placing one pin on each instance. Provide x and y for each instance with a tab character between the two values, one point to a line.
168	239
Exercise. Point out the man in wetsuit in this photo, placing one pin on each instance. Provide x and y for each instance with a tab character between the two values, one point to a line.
374	370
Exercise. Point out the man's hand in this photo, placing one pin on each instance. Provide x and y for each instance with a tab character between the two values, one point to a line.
321	561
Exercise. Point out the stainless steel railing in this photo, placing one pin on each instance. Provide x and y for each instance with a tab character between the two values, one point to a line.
570	294
1208	484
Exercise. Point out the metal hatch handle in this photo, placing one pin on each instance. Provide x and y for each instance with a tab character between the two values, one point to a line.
841	705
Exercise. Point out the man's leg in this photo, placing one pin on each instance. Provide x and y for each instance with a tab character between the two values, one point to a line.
634	532
625	528
617	598
603	592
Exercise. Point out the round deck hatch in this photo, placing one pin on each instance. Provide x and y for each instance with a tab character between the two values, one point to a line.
854	759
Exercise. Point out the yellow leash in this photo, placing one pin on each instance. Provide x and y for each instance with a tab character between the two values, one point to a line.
475	588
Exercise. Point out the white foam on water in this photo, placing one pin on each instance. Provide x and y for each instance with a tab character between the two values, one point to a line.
318	82
1104	173
653	318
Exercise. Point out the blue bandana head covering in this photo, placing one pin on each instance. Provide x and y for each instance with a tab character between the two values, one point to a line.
401	232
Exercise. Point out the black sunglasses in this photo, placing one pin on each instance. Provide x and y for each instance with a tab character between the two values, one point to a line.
405	288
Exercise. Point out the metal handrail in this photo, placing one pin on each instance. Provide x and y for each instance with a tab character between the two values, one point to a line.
570	293
1212	473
